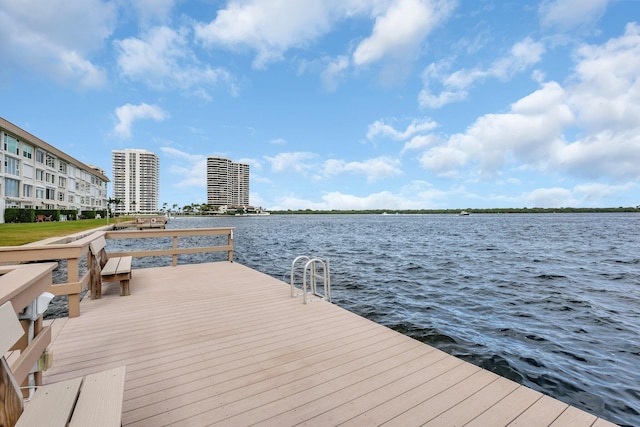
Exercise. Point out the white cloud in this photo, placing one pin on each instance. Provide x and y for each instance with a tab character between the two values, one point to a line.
128	114
373	169
339	201
278	141
254	164
87	74
420	142
568	14
380	129
607	92
530	133
334	72
415	195
189	170
600	106
444	160
153	11
162	57
606	99
296	162
428	100
262	26
607	154
593	193
550	198
522	55
401	29
56	38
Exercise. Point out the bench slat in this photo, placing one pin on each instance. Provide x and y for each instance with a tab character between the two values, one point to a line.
10	325
111	267
100	403
124	266
51	404
97	245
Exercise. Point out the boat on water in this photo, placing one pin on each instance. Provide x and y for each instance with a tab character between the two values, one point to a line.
254	214
464	213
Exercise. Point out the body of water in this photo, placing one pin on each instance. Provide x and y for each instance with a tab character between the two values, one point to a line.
551	301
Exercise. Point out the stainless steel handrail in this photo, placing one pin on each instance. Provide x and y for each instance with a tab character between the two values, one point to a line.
317	269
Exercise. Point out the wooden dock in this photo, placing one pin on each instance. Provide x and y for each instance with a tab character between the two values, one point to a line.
143	223
221	344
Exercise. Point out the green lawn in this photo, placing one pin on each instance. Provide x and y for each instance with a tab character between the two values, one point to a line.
19	234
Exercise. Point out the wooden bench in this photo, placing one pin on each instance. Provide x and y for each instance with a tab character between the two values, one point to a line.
93	400
108	269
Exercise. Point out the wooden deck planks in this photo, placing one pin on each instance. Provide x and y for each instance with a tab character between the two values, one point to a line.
222	344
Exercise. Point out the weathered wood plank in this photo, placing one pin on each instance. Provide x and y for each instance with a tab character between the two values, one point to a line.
11	329
507	409
11	403
100	403
51	405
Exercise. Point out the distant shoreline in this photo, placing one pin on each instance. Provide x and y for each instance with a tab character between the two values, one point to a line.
457	211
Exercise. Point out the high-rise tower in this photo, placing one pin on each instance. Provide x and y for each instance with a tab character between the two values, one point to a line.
227	182
136	180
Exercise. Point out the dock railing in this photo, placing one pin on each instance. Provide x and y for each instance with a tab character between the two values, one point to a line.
21	285
72	251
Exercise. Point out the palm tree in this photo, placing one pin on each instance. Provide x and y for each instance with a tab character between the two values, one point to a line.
110	202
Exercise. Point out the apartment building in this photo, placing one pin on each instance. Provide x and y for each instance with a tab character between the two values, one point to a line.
227	182
136	181
36	175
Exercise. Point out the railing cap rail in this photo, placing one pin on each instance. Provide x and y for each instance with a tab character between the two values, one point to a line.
22	283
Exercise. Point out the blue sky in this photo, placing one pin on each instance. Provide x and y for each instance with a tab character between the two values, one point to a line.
341	104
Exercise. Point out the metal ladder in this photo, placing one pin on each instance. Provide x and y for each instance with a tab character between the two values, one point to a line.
315	270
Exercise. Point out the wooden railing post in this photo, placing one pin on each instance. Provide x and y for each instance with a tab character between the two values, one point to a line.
73	274
230	243
175	255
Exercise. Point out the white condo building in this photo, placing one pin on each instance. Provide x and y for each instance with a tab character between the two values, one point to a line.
227	182
136	180
36	175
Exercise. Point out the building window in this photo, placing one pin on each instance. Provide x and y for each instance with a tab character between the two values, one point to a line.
27	190
11	166
50	178
40	193
70	198
27	170
60	196
50	194
62	182
39	175
11	187
51	161
62	167
27	151
39	157
11	145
